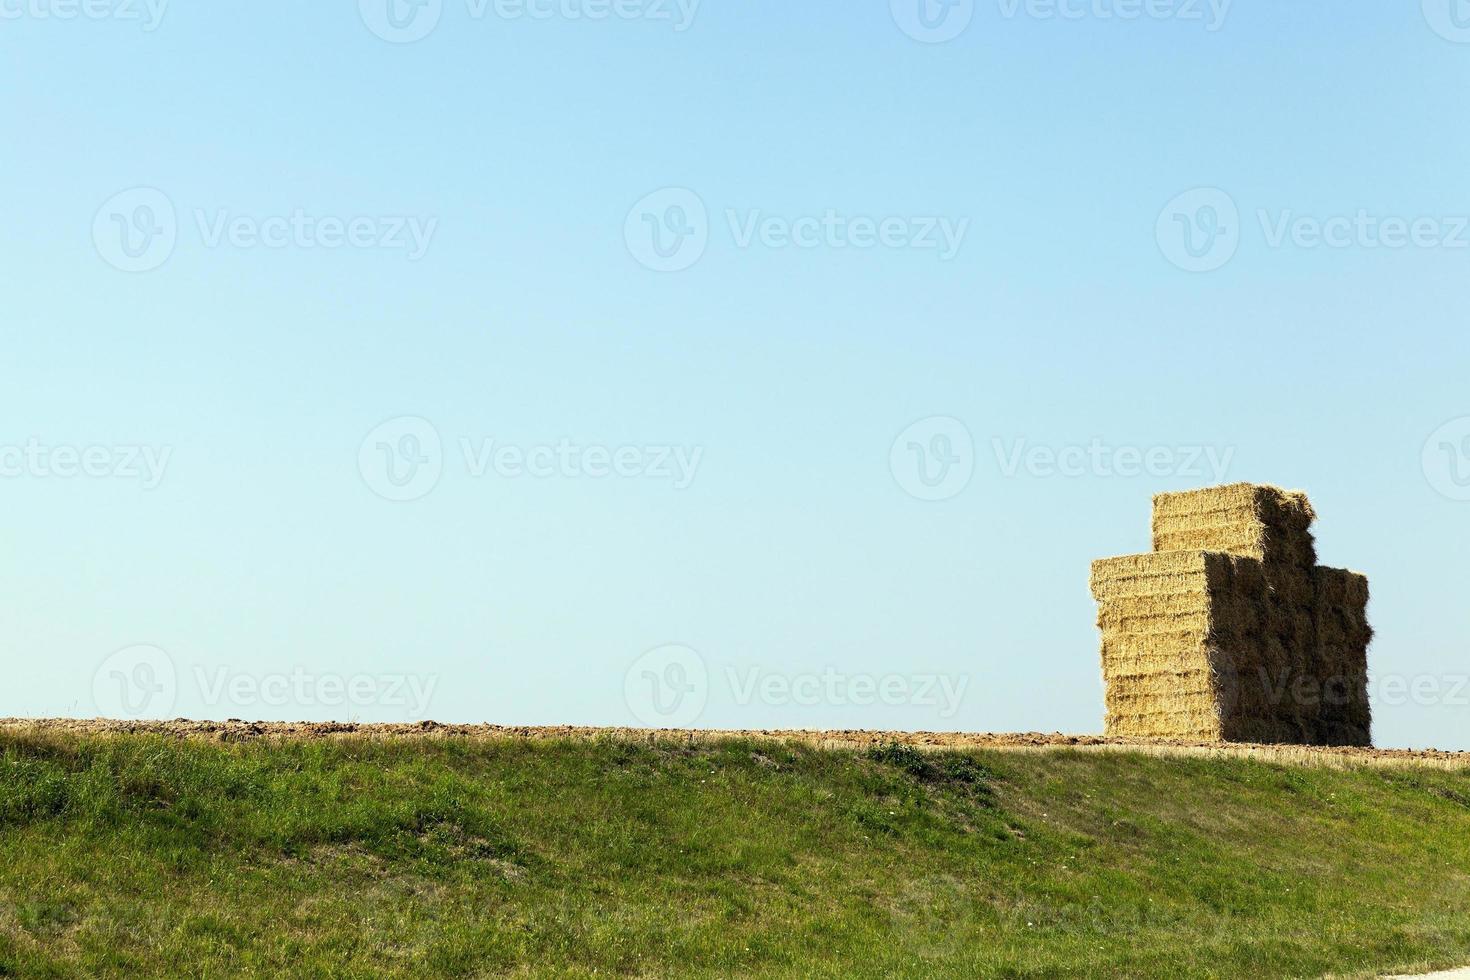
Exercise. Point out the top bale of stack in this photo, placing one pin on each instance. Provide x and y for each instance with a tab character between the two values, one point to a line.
1262	522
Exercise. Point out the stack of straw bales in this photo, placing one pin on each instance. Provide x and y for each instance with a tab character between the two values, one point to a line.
1229	630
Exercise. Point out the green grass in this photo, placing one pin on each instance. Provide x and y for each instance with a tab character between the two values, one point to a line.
147	855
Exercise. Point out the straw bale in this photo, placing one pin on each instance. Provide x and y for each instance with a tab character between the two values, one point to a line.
1198	722
1156	573
1261	522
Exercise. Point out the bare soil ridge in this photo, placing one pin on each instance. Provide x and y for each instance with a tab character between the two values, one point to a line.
235	730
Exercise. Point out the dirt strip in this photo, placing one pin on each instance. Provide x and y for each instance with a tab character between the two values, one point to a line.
235	730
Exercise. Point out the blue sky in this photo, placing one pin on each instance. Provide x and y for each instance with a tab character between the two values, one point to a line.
269	267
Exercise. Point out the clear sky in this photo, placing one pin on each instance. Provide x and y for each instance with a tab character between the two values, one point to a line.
630	361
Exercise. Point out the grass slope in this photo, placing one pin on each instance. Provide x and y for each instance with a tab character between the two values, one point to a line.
146	855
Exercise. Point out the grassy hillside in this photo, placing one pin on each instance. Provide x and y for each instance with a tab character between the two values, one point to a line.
144	854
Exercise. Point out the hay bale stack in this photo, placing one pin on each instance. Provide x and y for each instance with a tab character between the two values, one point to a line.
1266	523
1234	635
1342	638
1154	612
